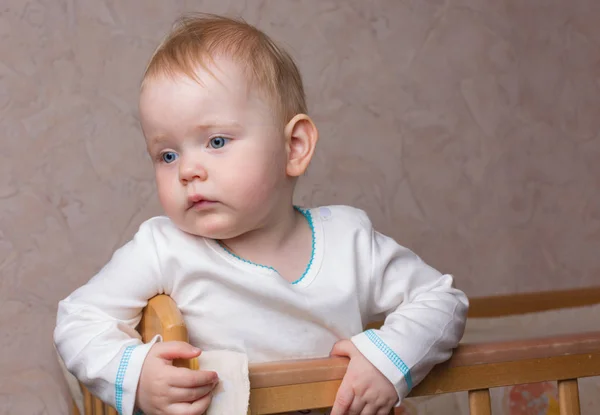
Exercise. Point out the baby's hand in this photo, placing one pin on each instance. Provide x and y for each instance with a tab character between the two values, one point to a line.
164	389
364	389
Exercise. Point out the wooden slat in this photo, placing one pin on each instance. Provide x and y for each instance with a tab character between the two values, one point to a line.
288	386
98	406
568	397
445	379
473	367
522	303
293	397
441	380
111	411
305	371
480	402
161	316
264	375
506	351
87	401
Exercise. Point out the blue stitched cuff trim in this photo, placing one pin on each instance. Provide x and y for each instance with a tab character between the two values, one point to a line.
121	377
390	354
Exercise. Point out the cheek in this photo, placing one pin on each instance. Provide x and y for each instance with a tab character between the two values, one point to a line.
166	190
257	175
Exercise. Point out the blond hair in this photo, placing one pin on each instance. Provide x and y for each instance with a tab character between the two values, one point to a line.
198	38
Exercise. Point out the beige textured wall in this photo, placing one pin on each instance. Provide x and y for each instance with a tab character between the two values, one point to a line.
468	129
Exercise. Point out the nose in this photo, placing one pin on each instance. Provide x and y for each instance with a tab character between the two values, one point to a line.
190	170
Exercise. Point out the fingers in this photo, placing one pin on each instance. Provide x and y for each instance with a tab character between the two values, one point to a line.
368	404
358	407
384	408
343	348
190	394
201	405
186	378
198	407
176	350
343	399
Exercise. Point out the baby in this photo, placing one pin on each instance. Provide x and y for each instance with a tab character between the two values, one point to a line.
224	117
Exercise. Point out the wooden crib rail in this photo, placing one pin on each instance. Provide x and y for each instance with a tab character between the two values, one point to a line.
295	385
472	368
535	302
161	316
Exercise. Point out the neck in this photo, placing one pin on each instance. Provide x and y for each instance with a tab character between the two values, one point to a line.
269	238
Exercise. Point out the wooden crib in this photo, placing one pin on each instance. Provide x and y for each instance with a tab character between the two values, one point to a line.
296	385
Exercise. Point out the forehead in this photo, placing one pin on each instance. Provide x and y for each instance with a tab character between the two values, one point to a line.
220	92
222	78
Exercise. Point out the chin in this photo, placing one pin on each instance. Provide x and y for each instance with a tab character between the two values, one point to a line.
214	229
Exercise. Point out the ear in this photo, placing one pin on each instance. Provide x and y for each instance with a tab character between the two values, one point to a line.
301	137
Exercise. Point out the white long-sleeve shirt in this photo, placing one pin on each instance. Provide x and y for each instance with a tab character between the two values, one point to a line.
356	275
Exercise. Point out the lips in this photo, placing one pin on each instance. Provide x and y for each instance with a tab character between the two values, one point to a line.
198	202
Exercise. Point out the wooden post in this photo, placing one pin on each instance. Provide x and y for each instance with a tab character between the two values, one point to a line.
480	402
568	397
87	402
98	406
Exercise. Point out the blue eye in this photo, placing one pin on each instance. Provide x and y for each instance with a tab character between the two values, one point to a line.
218	142
169	156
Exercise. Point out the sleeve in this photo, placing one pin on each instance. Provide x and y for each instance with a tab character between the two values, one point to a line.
424	314
95	330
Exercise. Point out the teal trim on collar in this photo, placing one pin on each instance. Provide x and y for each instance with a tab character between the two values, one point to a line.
244	260
308	216
306	213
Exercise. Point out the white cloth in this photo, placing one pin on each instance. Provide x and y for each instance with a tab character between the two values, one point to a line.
232	394
356	275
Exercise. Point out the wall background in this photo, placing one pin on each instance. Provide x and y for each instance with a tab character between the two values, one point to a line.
469	130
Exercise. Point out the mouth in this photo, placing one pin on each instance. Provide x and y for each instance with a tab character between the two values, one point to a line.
197	202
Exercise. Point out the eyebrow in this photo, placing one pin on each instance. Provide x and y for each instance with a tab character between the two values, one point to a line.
155	141
216	125
162	139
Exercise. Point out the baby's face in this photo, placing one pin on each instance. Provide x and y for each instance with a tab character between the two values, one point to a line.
218	150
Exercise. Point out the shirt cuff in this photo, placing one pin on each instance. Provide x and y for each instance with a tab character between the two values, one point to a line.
385	360
128	376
